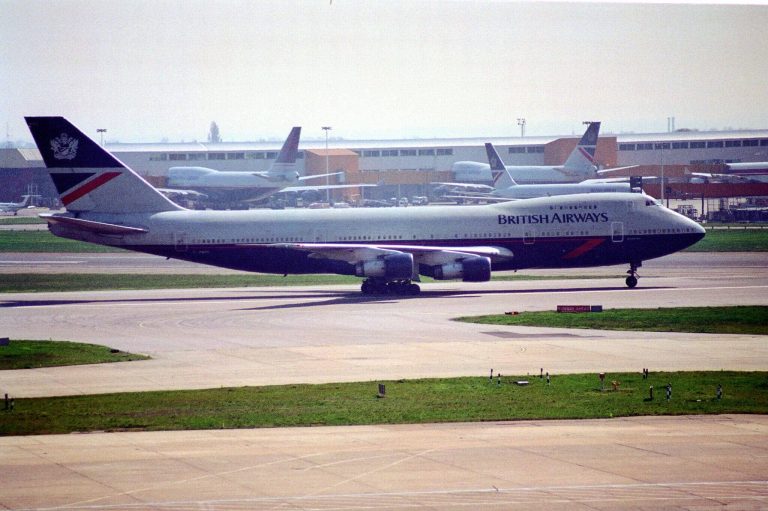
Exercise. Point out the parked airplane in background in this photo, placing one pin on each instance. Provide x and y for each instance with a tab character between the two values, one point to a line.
14	207
109	204
579	166
505	188
249	186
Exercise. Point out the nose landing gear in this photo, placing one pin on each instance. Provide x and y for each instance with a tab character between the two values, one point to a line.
632	279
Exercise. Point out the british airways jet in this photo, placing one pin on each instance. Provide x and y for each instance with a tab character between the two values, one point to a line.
109	204
250	186
579	166
505	187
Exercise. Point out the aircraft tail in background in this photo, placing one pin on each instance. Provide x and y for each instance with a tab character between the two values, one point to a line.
285	164
581	161
87	177
501	176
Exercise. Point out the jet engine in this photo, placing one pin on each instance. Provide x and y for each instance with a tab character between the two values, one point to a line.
473	269
395	266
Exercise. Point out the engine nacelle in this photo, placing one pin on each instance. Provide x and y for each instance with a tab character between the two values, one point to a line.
395	266
475	269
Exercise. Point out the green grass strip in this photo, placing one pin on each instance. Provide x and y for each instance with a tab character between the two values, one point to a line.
411	401
44	241
20	220
54	282
732	240
751	320
22	354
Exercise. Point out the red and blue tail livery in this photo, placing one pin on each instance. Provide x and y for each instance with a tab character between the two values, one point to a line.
87	177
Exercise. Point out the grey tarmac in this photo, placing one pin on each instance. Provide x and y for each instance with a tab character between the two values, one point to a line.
212	337
697	463
263	336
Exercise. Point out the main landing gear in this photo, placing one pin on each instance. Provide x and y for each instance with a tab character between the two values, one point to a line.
632	279
378	286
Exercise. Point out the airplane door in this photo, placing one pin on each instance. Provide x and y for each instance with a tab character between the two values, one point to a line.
180	241
617	232
529	238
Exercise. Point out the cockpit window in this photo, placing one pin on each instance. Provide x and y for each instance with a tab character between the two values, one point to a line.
650	201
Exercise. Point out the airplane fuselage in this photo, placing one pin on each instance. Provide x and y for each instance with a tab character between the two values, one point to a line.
533	174
550	190
566	231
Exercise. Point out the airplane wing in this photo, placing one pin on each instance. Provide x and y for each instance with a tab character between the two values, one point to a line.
175	191
316	176
487	198
431	256
615	169
465	186
322	187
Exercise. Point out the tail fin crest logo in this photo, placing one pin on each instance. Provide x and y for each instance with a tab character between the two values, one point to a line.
64	147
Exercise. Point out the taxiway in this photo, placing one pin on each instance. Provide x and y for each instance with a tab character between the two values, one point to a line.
254	336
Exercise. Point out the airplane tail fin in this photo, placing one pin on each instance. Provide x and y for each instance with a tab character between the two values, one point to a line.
501	177
89	178
286	159
582	158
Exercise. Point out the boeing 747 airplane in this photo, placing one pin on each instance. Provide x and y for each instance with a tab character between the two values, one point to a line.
109	204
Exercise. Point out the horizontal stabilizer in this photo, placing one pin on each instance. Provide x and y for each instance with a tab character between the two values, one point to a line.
90	225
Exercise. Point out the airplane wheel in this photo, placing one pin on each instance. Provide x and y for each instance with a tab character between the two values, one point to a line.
414	289
366	288
631	281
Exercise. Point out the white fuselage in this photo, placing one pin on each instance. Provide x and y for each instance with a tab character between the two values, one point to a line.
566	231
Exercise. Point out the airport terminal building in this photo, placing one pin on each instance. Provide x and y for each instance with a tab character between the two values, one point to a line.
408	167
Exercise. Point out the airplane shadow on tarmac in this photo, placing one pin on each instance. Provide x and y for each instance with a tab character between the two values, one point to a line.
337	298
325	297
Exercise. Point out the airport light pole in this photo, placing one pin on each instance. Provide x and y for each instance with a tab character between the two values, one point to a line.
101	132
327	177
521	123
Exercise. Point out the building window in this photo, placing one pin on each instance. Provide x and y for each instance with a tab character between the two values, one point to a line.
679	145
445	152
235	156
516	150
535	149
177	156
196	156
661	145
625	147
698	145
271	155
371	154
733	143
426	152
407	152
389	152
300	155
158	157
644	147
764	142
749	143
714	143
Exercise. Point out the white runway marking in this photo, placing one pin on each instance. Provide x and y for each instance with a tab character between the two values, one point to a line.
716	494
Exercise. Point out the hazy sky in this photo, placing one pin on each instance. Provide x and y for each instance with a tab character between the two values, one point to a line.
148	70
